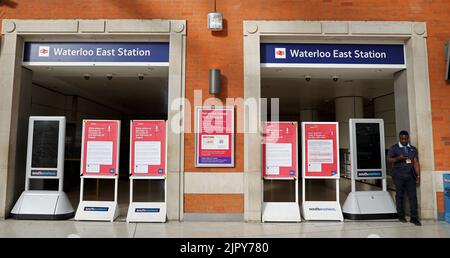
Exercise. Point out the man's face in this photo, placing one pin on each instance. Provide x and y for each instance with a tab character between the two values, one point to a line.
404	140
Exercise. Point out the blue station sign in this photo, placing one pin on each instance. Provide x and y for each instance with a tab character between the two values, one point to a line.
96	52
306	53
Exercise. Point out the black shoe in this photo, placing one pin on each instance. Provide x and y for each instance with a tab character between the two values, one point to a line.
416	222
403	220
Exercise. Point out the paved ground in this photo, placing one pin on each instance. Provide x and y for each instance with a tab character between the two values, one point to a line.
359	229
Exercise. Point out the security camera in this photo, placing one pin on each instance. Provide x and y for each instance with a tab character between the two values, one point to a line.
87	76
141	76
109	76
307	78
335	78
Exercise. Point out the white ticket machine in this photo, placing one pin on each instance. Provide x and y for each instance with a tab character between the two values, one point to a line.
45	160
367	149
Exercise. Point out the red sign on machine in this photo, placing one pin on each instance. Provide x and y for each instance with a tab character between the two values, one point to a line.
280	150
148	148
100	148
320	149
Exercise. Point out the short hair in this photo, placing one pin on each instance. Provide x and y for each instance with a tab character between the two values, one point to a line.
403	132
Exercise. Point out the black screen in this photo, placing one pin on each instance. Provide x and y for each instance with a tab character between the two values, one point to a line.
45	144
368	145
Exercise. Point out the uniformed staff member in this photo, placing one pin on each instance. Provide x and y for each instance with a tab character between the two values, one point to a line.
405	173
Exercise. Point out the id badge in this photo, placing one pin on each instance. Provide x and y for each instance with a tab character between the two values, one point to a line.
408	161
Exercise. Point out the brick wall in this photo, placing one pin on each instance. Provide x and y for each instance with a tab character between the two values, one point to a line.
224	49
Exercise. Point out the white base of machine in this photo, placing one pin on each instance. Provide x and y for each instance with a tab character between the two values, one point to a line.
97	210
47	205
369	205
322	211
147	212
280	212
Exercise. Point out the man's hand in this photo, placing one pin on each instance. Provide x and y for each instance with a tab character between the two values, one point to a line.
401	158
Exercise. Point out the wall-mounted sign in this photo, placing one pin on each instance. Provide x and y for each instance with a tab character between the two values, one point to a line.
279	150
214	131
446	179
320	144
88	53
148	148
312	53
100	148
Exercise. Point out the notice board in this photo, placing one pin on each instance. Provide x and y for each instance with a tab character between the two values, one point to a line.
279	150
214	142
100	148
148	148
320	148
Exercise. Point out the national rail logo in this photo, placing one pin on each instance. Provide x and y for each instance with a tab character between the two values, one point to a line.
44	51
280	53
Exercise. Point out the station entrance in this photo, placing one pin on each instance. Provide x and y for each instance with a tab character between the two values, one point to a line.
116	92
328	95
92	69
283	59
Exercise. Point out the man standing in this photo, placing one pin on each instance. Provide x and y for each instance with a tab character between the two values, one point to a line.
405	173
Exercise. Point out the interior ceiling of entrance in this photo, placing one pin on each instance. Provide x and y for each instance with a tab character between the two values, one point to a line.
295	93
124	91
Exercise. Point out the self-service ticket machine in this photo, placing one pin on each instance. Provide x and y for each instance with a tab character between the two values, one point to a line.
368	158
45	160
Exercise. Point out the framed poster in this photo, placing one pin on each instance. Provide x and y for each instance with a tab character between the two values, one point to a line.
214	137
100	148
148	148
320	148
279	150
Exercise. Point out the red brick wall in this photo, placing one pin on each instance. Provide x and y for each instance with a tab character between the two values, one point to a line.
224	49
214	203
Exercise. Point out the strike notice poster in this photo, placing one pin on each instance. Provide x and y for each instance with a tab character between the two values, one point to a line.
214	141
279	150
100	148
320	150
148	148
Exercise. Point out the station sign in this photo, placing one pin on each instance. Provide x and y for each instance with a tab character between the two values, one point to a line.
280	150
95	52
339	54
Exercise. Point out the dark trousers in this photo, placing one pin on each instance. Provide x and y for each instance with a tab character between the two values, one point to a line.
408	185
